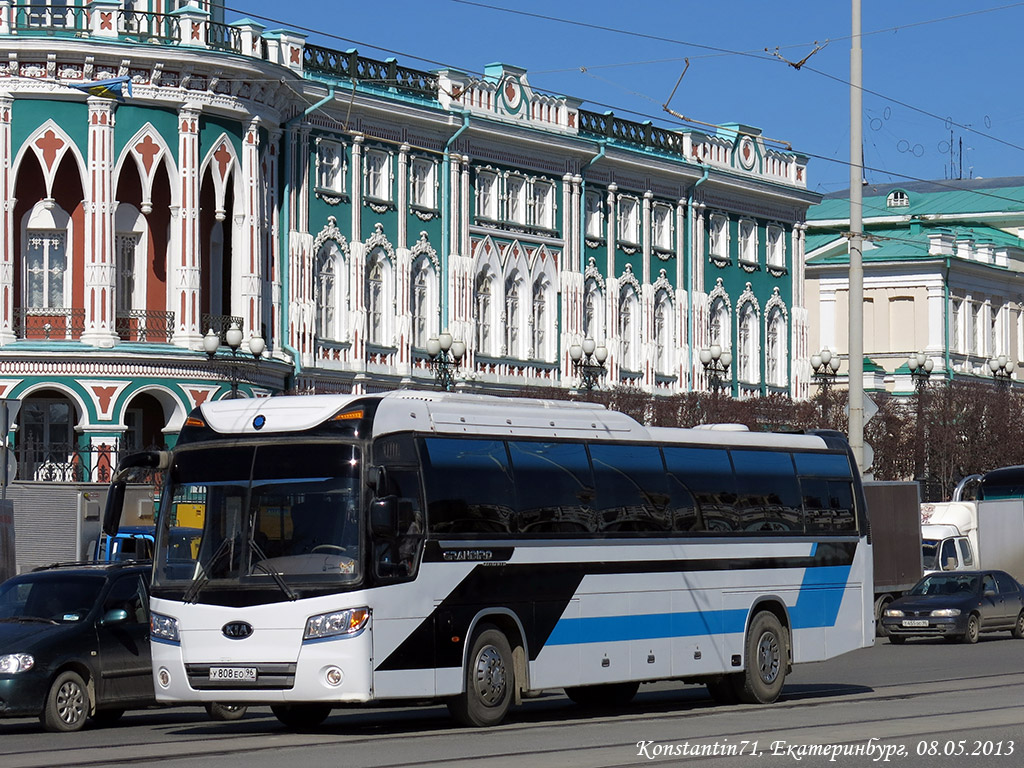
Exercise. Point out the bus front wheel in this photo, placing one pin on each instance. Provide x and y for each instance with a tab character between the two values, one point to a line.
767	656
490	680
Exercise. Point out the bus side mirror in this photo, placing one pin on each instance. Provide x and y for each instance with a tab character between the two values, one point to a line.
158	460
112	510
384	517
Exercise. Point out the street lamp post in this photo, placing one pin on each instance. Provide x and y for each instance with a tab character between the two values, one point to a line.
716	365
825	367
588	362
233	340
1002	369
920	366
445	359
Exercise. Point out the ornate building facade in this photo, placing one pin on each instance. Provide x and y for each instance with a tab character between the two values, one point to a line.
346	210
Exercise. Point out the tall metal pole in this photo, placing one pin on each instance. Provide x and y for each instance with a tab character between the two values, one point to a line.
856	426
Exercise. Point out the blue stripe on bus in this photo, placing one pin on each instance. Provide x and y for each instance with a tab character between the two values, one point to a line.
817	605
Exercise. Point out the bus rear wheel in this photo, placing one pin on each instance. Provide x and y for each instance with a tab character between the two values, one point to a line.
767	656
301	716
606	695
490	680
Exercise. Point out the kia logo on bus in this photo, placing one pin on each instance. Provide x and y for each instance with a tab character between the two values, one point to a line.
237	630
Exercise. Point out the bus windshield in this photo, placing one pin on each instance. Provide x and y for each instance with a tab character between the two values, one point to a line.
282	515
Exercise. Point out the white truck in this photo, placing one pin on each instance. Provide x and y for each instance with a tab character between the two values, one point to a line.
983	532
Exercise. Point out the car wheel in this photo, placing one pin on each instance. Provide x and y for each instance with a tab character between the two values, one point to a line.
767	657
607	695
225	712
973	630
106	717
897	640
299	717
489	683
67	704
1018	627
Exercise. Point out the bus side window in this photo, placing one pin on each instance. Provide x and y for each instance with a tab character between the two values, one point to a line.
707	473
399	558
632	493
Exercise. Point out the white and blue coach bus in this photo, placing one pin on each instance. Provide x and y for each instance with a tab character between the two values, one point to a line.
479	550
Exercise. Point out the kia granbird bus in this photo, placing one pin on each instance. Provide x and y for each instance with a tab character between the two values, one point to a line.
479	550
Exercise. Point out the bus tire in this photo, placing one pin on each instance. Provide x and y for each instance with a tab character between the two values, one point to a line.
604	695
299	717
67	704
767	660
489	680
225	712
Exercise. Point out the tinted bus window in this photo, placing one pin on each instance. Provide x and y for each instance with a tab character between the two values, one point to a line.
769	495
554	487
632	494
822	465
707	474
469	486
828	506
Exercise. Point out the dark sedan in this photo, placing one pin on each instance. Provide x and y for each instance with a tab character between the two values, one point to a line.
957	605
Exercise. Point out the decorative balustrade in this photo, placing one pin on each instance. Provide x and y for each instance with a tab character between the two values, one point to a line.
65	463
49	323
386	74
145	325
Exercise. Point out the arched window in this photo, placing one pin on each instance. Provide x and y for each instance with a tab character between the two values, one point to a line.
541	320
664	338
423	301
328	292
375	308
593	311
513	316
777	352
748	364
629	325
46	258
484	303
719	324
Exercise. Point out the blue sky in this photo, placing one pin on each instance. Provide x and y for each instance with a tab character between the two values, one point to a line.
936	72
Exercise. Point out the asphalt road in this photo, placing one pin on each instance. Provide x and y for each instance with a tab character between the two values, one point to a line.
925	704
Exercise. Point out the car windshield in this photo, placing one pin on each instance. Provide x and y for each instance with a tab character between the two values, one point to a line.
279	515
62	598
946	584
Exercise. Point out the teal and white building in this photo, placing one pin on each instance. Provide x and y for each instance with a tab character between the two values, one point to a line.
344	210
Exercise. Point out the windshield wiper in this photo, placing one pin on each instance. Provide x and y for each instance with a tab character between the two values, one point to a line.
192	594
290	593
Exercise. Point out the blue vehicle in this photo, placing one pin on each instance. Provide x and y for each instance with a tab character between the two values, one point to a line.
136	543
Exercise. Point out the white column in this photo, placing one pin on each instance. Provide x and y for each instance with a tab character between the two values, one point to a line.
402	198
186	261
99	226
251	269
7	202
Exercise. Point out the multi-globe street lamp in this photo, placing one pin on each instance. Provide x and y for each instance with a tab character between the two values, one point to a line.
588	361
233	341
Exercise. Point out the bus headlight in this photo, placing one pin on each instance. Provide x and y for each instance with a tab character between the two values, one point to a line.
13	663
163	628
336	623
946	613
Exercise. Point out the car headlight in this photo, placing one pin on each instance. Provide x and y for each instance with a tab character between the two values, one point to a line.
893	613
163	628
13	663
336	623
946	612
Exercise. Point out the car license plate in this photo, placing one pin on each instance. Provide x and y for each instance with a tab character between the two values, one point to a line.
244	674
915	622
